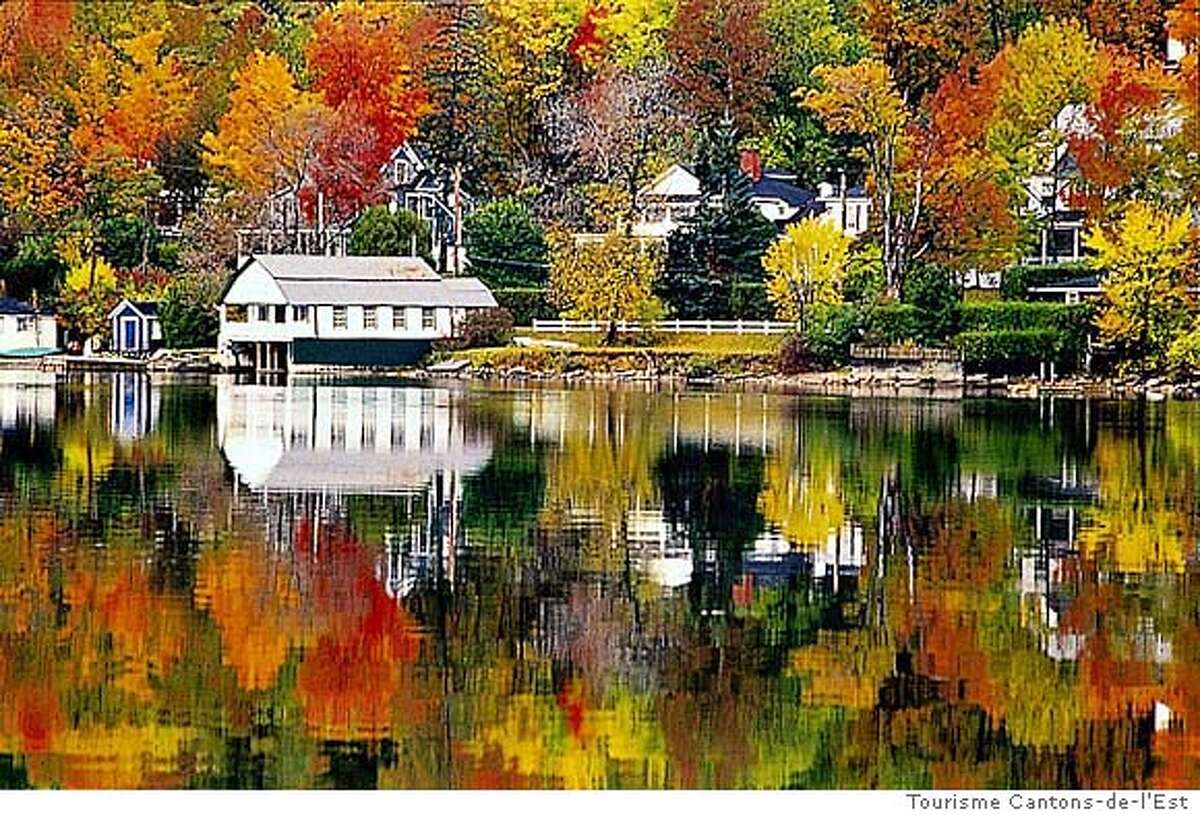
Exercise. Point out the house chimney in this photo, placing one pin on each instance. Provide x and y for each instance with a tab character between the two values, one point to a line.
751	164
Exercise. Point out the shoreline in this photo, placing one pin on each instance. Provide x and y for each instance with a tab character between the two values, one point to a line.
844	382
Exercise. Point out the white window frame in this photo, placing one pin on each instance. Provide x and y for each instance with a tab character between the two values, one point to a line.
341	318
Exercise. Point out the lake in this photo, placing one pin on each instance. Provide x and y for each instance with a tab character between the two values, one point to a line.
212	584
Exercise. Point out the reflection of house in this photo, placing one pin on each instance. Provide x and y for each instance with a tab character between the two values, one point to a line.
307	449
25	328
135	327
774	558
358	440
27	398
285	310
133	405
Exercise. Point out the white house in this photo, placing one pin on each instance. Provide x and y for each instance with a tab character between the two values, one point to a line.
675	195
848	208
135	327
24	328
668	201
279	311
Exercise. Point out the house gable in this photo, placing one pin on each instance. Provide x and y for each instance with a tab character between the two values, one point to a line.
674	182
254	284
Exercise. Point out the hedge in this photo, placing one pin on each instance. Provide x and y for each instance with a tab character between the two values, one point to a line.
897	324
526	305
1070	324
1016	281
1009	349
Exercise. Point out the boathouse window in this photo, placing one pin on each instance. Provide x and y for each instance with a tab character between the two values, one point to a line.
264	314
428	319
370	319
300	314
399	318
339	316
281	314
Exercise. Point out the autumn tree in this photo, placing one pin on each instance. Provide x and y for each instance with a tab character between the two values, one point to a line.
33	161
609	280
619	129
634	32
721	57
805	266
862	100
526	49
1147	260
364	62
266	141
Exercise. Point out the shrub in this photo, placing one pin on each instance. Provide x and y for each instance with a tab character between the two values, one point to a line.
701	367
795	356
526	305
933	291
188	311
829	333
1016	281
486	328
749	302
1070	324
380	232
506	245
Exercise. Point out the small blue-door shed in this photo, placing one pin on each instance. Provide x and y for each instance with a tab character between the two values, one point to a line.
135	327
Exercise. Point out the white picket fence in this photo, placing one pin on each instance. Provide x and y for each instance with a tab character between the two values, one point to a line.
665	327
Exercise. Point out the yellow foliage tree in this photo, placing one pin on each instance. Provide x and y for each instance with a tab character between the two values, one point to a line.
29	153
634	31
805	267
1147	260
862	100
609	280
269	135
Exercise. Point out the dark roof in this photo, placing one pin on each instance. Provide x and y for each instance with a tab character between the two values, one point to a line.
9	305
789	193
147	307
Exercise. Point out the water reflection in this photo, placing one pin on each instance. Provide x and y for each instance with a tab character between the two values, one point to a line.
212	584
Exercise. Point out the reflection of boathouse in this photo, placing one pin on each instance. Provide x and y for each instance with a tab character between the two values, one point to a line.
308	450
133	405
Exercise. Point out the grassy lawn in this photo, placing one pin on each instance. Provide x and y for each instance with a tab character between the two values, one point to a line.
693	354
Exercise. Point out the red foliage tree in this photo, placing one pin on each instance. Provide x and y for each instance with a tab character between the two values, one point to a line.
366	65
721	59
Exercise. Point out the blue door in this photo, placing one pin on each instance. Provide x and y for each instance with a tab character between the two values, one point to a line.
131	336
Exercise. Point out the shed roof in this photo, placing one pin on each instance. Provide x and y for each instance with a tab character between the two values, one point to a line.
368	281
147	308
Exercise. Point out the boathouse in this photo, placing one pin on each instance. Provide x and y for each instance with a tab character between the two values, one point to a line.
281	311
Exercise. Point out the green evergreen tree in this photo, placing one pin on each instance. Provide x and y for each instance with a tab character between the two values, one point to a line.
720	247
